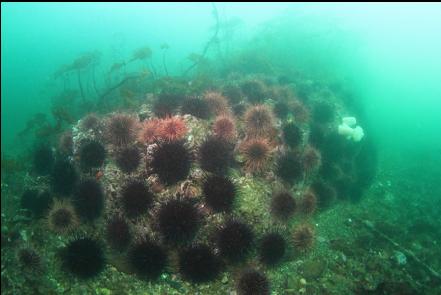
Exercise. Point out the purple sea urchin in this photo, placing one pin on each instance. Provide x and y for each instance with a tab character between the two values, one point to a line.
196	107
128	159
171	161
89	199
92	155
136	198
292	135
148	259
283	205
121	129
219	193
178	220
253	282
29	259
235	240
290	167
215	155
83	257
272	248
199	264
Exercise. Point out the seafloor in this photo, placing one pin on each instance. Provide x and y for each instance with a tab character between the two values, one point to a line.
378	233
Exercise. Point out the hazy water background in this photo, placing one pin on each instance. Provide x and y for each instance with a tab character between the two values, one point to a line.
389	53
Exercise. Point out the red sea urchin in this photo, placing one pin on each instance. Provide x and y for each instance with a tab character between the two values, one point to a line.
172	128
256	153
259	121
217	103
148	133
224	128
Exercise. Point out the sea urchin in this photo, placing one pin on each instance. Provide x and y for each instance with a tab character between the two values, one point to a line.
303	237
62	217
178	220
219	193
253	282
215	155
147	259
199	264
136	198
272	248
89	199
121	129
235	240
256	153
283	205
83	257
171	161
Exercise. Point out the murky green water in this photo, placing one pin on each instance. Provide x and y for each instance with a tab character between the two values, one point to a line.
221	148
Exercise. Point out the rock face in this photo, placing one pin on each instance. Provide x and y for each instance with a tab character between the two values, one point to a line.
314	269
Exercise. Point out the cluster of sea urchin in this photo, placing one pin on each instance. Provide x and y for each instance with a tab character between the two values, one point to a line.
164	129
164	204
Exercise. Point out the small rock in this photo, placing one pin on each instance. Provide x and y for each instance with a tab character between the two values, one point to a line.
400	258
224	279
313	269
